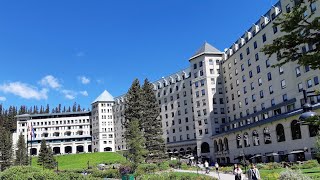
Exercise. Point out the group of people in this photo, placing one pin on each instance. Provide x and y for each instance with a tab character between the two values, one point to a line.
253	173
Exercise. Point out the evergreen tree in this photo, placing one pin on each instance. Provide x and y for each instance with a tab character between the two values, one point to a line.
79	108
300	30
47	109
133	134
152	123
64	109
45	157
5	149
21	152
74	107
59	108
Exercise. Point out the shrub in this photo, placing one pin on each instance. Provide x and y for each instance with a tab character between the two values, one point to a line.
174	163
185	166
162	166
146	169
309	164
109	173
289	174
271	166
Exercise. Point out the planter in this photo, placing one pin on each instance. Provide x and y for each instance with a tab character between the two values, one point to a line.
127	177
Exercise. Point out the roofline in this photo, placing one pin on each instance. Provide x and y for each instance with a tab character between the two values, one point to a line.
101	101
50	114
211	53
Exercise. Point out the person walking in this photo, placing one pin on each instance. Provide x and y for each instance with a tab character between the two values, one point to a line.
237	172
206	166
253	173
217	166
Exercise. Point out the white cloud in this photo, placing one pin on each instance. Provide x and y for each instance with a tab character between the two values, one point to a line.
25	91
69	94
50	81
84	80
3	98
84	93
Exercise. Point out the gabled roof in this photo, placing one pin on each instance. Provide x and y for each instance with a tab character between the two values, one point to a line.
105	96
206	48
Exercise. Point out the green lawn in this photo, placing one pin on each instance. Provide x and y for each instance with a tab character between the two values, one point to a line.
79	161
176	176
314	173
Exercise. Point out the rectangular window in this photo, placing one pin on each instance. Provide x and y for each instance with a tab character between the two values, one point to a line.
269	76
300	87
249	62
260	81
242	67
288	9
285	97
257	56
283	84
298	72
267	63
316	80
241	56
272	102
194	66
252	86
275	29
258	69
281	70
309	83
255	45
253	97
261	94
250	74
264	38
307	68
200	64
270	90
248	50
313	7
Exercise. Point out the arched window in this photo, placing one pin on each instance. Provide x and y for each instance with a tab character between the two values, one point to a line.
220	145
239	143
280	133
216	148
226	144
313	130
246	140
295	130
205	148
267	135
255	138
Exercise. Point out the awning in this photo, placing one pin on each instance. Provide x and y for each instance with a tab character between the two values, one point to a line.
272	154
296	152
257	155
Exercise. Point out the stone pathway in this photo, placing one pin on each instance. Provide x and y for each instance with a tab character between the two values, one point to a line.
220	176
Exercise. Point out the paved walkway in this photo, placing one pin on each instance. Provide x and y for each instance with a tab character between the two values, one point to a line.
220	176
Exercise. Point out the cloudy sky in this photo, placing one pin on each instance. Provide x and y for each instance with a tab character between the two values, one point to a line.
59	51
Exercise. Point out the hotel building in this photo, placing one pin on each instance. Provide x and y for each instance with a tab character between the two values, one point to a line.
223	107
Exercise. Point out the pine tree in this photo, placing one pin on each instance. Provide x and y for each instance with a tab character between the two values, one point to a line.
47	109
21	152
133	134
45	157
5	148
79	108
152	123
74	107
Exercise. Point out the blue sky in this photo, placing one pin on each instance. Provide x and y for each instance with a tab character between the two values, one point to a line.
61	51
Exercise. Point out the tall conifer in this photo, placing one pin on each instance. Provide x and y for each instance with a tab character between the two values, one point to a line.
21	152
152	123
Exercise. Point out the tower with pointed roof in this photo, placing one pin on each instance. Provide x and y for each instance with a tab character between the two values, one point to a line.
102	123
206	83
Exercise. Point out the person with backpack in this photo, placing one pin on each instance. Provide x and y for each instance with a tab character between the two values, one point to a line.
253	173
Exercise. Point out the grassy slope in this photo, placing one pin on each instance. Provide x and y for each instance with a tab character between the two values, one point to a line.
79	161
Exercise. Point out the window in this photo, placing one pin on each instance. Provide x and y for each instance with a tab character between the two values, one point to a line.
316	80
244	90
255	138
203	92
300	87
261	94
246	101
252	86
285	97
280	133
269	76
280	70
249	62
255	45
258	69
194	66
283	84
235	61
253	97
273	102
250	74
200	64
211	71
243	78
307	68
242	67
295	130
241	56
267	63
270	90
256	57
246	140
309	83
275	29
260	81
288	9
264	38
248	50
298	72
267	136
239	141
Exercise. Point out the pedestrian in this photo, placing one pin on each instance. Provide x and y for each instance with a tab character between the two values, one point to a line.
206	166
253	173
237	172
217	166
